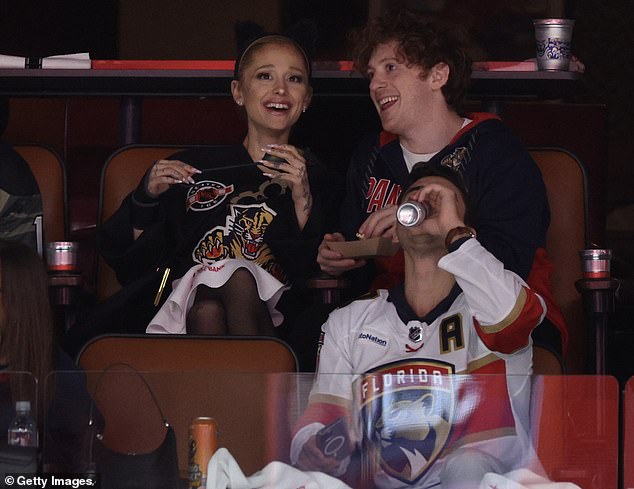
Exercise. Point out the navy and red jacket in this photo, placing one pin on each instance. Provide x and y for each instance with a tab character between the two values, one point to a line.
506	193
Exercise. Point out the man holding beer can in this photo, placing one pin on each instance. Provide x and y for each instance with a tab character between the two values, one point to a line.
387	364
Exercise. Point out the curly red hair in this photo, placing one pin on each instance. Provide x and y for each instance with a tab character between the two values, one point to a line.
421	42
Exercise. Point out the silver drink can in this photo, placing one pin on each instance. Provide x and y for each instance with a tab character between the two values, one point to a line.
61	256
596	263
412	213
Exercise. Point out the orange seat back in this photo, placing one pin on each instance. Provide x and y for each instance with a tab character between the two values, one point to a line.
565	181
120	175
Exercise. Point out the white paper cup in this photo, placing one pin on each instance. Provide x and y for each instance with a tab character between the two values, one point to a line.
553	39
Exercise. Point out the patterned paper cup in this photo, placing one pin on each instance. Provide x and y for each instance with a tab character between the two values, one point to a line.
553	38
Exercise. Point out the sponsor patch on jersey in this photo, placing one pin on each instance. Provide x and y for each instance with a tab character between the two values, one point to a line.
372	339
407	409
206	195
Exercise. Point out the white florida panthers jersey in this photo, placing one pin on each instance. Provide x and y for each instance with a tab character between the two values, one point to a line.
410	383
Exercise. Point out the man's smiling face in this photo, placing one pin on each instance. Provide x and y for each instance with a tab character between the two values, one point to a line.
400	91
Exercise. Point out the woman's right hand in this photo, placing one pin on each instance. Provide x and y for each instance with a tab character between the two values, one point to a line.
332	262
165	173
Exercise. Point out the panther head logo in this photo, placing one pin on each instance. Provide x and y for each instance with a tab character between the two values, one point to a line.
250	224
407	410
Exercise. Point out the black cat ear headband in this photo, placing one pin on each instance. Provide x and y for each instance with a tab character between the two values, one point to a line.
250	35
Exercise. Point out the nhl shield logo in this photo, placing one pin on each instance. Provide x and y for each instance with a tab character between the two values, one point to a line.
407	410
416	334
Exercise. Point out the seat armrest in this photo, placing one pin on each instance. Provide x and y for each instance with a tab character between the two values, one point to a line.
329	286
598	293
64	288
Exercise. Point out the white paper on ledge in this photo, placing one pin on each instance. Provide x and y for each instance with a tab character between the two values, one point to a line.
7	61
78	61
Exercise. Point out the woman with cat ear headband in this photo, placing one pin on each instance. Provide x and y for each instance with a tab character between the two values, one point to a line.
237	225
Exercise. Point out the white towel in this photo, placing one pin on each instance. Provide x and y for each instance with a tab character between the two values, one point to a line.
223	472
522	479
172	315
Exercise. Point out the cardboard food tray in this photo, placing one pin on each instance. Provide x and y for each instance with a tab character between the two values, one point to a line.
365	248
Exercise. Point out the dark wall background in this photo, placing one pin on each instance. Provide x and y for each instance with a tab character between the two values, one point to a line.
498	30
85	131
44	28
603	39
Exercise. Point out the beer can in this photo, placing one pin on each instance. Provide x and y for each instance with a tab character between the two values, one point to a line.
412	213
61	256
202	445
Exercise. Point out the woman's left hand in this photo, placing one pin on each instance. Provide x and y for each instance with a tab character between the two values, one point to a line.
292	171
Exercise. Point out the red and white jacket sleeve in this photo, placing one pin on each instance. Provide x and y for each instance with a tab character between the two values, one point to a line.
505	309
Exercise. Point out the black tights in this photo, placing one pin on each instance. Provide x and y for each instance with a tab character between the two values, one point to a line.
235	308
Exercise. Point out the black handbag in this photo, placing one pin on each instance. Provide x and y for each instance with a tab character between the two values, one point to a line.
154	470
17	460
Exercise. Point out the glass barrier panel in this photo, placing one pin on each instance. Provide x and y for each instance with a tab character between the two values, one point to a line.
123	409
370	430
20	432
628	434
415	427
576	428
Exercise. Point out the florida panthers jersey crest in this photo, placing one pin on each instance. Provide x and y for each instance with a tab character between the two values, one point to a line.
406	411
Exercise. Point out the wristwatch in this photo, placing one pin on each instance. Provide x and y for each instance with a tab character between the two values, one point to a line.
459	232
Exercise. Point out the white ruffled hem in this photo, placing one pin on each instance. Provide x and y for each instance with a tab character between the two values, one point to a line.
170	319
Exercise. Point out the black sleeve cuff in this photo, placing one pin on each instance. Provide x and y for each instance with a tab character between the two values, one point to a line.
456	244
144	208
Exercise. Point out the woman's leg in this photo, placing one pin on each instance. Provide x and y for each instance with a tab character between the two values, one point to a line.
243	312
247	314
207	315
